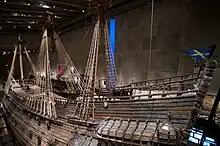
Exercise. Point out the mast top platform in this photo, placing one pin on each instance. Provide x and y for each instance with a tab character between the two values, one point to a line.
19	41
102	7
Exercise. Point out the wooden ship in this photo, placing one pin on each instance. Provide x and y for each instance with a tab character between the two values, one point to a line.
155	112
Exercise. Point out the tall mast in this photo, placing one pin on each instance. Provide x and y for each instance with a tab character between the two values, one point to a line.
20	57
42	101
18	50
103	8
85	107
7	86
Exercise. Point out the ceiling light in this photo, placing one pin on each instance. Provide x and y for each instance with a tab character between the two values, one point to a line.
65	9
83	11
5	1
15	14
55	16
15	26
9	21
29	51
28	4
54	6
29	26
4	53
45	6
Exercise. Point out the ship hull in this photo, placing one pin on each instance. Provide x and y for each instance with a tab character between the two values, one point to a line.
31	130
138	109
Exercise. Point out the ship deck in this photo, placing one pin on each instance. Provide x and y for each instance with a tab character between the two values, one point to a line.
131	117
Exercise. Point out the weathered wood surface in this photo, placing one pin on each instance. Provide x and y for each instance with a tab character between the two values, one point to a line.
171	83
82	140
147	109
135	132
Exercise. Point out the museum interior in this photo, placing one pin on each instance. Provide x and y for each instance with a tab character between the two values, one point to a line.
109	73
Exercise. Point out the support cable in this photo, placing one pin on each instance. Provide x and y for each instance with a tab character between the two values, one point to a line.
151	36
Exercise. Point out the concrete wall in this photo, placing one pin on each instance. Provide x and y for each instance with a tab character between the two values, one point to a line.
178	25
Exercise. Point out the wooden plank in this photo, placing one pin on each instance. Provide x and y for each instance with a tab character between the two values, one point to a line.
131	128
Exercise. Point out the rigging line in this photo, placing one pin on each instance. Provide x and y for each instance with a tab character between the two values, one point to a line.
151	37
76	73
94	21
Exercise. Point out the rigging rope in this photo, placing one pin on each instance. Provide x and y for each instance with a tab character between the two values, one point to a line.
151	36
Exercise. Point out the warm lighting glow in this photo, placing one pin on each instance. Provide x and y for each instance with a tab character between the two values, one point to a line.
4	53
29	26
45	6
5	1
83	11
15	14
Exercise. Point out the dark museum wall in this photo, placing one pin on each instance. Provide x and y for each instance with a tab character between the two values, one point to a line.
178	25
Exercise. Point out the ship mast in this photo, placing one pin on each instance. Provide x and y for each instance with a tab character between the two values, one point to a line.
20	57
19	50
85	107
42	101
9	80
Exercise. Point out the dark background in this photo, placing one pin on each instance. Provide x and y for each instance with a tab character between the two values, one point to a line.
178	25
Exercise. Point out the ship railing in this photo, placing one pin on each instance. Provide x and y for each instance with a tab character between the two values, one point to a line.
16	95
171	82
163	94
169	94
23	82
